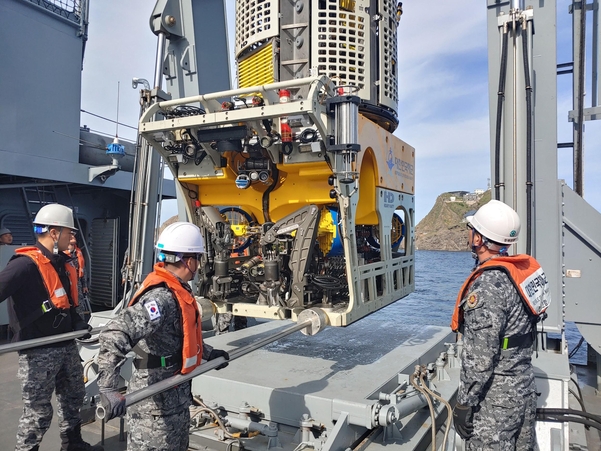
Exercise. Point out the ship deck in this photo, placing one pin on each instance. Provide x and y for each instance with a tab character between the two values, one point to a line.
10	397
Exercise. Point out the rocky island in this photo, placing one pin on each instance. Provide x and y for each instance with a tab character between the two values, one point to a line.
443	228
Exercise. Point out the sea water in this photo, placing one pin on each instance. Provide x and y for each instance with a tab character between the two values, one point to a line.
438	277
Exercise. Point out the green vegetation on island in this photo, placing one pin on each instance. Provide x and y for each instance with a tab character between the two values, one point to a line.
443	228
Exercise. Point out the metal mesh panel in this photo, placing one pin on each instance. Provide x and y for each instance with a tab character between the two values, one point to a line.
256	21
388	56
71	9
341	43
103	261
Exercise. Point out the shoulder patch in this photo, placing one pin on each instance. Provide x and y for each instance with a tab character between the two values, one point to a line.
153	310
472	300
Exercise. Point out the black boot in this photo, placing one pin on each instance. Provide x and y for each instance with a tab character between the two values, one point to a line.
72	441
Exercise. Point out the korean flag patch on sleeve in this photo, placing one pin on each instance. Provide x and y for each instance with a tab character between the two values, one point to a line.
153	310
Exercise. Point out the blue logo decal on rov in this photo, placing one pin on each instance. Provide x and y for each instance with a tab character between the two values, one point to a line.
390	160
399	167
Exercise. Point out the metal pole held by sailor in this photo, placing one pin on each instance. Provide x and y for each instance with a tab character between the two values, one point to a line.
310	322
43	341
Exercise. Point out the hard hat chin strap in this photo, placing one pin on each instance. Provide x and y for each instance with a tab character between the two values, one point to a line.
187	267
55	247
494	247
174	258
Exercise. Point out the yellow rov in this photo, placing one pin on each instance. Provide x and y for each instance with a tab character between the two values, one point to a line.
303	201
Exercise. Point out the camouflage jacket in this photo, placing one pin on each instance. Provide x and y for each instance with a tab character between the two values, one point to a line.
154	324
492	311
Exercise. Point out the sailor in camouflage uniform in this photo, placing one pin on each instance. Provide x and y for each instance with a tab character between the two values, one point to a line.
41	285
496	310
162	326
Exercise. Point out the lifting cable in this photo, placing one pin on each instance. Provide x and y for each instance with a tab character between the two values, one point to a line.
528	137
500	98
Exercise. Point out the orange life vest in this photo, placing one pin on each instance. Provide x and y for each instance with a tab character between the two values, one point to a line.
80	260
527	277
56	291
192	340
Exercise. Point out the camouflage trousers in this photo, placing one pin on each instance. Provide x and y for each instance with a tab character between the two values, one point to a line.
505	424
42	371
158	432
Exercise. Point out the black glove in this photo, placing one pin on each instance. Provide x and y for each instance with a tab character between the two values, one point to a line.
82	325
463	417
113	403
215	353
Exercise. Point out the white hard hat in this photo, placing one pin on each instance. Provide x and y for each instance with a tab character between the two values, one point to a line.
55	215
496	221
181	238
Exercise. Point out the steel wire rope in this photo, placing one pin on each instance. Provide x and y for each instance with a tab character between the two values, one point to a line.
109	120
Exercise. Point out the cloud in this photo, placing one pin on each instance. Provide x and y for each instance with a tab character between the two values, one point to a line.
431	28
120	46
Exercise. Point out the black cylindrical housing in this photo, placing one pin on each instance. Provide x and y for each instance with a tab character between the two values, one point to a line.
221	268
272	270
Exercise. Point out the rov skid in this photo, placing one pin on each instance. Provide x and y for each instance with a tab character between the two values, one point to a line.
303	201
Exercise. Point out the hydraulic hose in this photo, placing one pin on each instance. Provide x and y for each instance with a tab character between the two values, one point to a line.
552	411
577	399
528	138
449	411
204	408
569	415
430	406
500	98
276	177
567	419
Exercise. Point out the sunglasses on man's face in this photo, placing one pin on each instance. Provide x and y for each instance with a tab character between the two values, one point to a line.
194	256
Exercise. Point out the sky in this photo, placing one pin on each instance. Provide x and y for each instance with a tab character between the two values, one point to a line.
443	89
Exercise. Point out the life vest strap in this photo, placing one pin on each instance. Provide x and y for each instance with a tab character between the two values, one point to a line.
517	341
33	316
145	361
